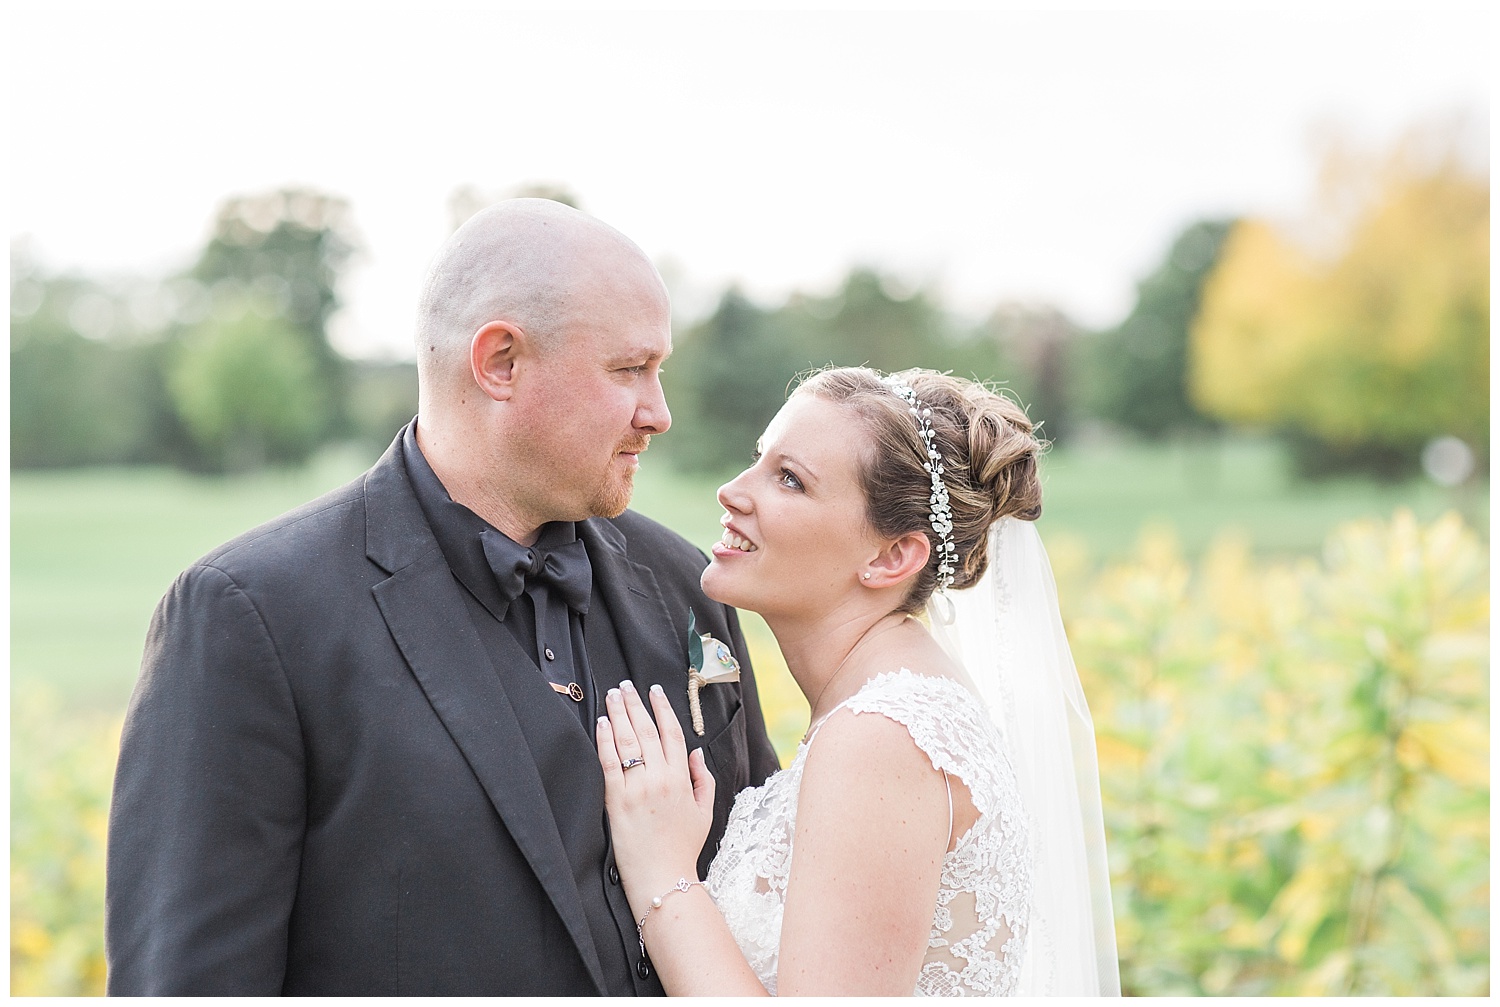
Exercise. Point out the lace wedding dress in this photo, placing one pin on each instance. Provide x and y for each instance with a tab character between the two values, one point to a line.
979	924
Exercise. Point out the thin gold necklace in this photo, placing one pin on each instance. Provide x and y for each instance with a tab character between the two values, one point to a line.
868	636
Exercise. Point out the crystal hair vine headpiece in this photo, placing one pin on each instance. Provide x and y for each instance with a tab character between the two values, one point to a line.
940	512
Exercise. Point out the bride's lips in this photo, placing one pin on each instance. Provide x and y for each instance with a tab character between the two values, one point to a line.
733	542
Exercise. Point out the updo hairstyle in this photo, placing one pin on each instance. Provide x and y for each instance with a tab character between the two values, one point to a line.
989	462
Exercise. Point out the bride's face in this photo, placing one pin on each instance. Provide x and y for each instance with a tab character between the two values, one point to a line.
795	528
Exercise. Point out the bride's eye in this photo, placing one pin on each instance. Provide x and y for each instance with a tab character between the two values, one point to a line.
787	479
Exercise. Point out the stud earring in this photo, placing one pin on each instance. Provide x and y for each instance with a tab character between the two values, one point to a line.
867	575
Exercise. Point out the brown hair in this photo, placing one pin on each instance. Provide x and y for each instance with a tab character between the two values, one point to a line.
989	454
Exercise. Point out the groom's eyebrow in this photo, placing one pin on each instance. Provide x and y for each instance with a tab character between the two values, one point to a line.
639	355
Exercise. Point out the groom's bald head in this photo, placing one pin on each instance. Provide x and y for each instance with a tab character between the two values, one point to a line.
536	263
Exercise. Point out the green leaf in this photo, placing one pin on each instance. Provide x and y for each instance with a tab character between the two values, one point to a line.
695	643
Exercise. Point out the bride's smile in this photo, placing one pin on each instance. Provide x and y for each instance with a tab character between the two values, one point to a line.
795	530
733	540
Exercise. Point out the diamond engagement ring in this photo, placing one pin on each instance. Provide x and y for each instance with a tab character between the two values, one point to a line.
632	763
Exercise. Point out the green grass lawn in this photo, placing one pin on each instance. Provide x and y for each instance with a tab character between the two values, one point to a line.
92	551
1104	495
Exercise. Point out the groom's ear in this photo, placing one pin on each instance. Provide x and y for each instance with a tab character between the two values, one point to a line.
899	560
492	358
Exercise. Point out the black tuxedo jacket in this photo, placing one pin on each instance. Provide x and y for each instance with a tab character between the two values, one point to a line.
328	785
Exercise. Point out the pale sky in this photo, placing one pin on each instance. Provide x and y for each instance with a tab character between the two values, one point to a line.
1001	156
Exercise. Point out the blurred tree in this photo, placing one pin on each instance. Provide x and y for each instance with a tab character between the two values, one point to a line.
98	369
1135	375
382	398
1034	351
875	320
86	384
732	371
278	256
249	393
727	379
1365	353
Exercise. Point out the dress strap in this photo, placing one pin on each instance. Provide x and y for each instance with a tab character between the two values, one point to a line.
948	786
812	731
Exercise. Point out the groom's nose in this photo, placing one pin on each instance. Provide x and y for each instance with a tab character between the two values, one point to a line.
651	413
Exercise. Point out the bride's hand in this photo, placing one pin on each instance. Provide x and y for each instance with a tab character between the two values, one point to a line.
660	810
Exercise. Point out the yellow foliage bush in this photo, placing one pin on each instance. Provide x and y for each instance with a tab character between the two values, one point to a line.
1294	759
61	770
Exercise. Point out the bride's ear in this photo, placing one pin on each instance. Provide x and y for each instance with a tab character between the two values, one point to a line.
899	560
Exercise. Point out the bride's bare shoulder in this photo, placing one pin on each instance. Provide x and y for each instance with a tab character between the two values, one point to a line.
856	741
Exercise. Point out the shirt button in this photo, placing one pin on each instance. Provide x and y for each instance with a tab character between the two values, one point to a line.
642	969
614	875
550	656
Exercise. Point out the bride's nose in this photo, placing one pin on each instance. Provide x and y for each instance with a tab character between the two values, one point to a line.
733	496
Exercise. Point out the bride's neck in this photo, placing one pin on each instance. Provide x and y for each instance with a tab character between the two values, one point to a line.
823	655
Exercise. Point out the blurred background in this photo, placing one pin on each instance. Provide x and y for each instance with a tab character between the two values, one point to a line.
1237	264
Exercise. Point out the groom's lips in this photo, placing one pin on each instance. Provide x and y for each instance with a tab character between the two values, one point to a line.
631	450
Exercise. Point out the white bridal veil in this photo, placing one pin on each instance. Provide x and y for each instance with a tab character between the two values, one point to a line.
1007	631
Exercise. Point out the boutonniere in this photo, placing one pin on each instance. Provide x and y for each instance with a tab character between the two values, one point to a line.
709	661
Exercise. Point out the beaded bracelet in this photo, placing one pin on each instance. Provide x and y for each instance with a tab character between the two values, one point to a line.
683	884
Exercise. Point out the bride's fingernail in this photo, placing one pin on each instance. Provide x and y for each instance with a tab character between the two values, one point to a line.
603	721
656	690
628	685
613	694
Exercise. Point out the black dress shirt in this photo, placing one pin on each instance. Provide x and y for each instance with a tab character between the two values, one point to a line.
544	625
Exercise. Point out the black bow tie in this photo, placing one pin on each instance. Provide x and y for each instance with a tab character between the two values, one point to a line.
565	569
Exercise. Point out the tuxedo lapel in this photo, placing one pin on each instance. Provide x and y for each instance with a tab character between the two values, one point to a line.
430	623
655	649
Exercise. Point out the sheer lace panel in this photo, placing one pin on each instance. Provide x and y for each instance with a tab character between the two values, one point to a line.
979	923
